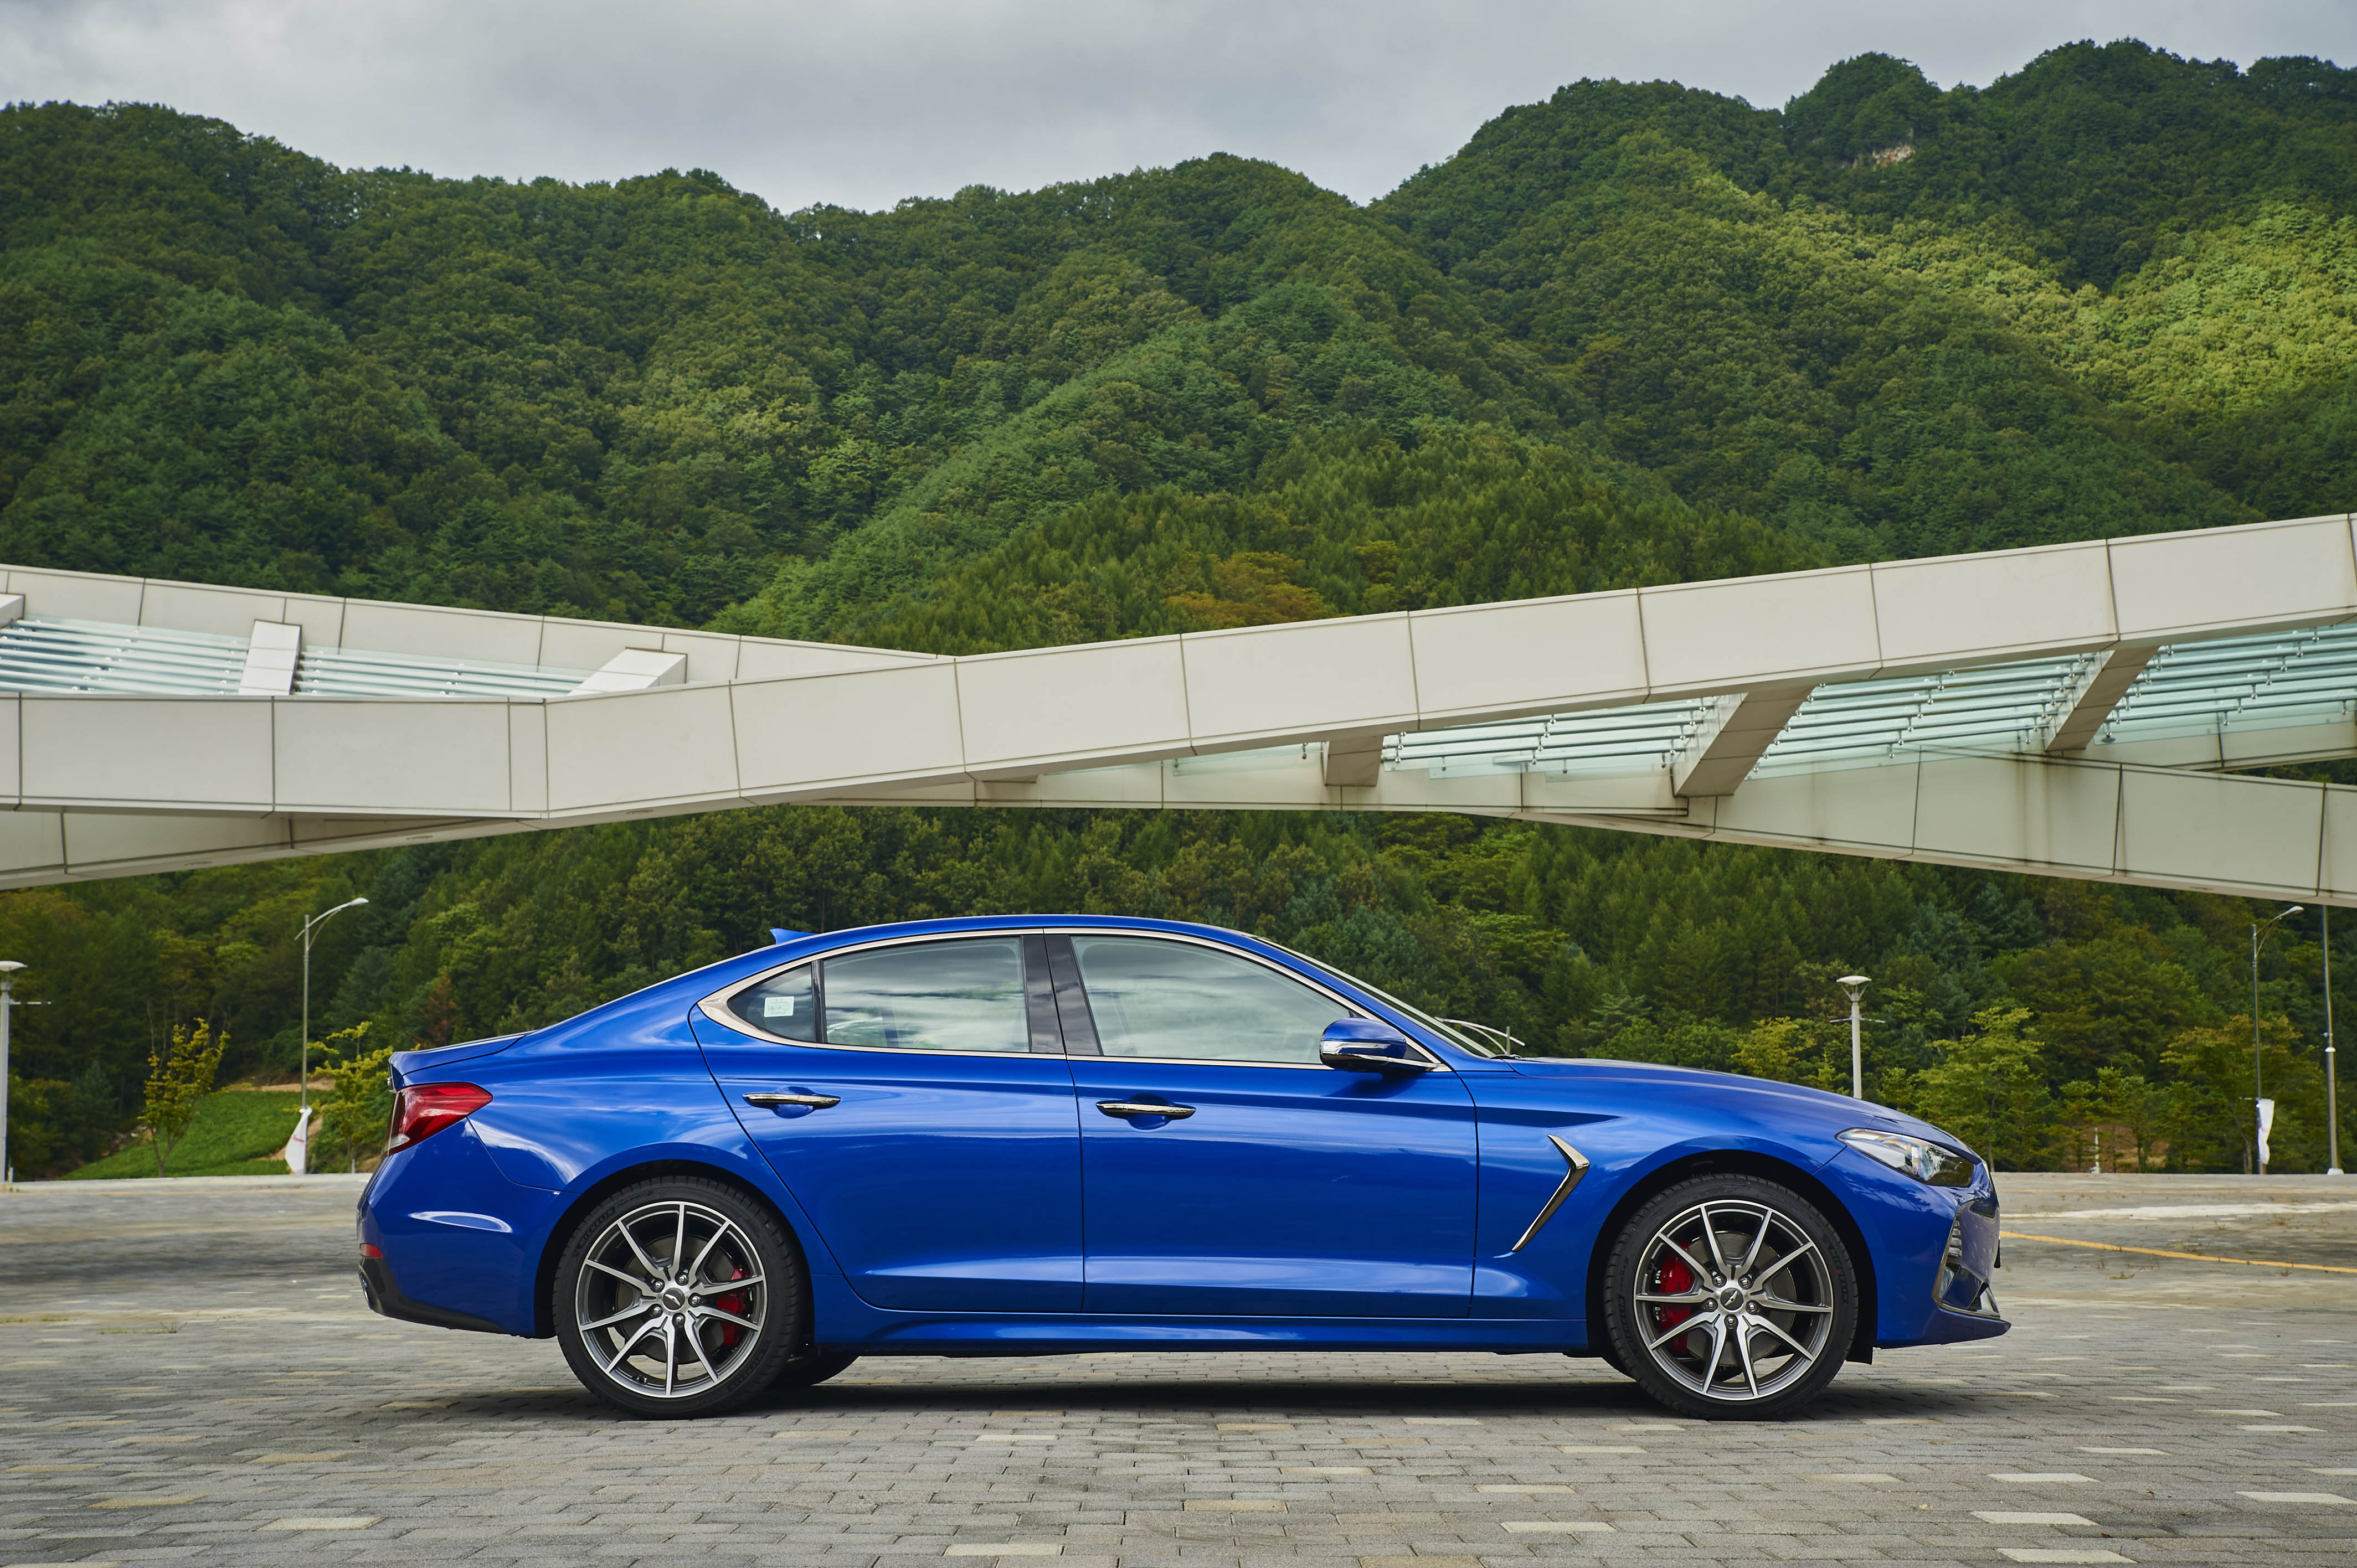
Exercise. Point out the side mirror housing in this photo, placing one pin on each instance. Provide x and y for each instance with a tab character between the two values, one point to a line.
1370	1045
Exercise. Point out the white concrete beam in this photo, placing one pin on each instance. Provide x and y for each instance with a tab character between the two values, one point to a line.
636	670
273	651
1732	738
1354	762
2046	816
2100	691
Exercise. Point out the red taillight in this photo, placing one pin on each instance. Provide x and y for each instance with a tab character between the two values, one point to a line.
420	1111
370	1249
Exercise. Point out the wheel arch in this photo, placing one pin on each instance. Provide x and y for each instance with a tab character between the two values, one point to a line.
585	1202
1751	1162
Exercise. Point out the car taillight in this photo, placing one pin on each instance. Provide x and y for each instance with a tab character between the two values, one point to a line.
423	1110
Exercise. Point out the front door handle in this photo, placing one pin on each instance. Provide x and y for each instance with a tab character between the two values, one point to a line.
1145	1108
814	1102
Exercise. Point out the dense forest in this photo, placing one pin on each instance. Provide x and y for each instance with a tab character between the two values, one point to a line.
1634	334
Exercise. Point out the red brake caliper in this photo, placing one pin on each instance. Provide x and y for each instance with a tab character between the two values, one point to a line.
733	1302
1673	1278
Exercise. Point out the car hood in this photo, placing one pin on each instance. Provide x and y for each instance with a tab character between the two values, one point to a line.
1793	1101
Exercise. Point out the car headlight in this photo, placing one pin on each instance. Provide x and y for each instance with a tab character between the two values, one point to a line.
1919	1157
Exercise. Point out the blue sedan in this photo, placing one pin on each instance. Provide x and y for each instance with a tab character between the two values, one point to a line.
1028	1135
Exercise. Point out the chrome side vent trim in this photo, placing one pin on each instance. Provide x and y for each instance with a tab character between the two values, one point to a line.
1577	1163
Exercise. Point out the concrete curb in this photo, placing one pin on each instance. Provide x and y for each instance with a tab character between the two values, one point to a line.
328	1180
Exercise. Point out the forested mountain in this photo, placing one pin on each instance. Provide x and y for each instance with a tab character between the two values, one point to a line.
1634	334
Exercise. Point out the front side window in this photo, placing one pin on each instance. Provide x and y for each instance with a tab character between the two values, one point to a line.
1178	1001
928	996
784	1005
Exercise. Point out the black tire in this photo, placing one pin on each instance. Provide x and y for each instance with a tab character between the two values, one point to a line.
1764	1279
738	1305
809	1369
1611	1358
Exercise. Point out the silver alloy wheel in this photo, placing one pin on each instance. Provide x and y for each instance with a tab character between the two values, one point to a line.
1734	1301
671	1300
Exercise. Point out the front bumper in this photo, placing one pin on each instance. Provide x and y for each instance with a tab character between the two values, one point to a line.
1963	1284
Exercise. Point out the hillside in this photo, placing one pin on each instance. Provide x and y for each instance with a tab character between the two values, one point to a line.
1636	333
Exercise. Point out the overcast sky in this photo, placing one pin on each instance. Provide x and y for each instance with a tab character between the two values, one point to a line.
865	102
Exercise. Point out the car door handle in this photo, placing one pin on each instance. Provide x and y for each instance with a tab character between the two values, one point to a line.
1145	1108
814	1102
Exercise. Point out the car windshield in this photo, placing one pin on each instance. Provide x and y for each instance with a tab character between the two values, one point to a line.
1480	1045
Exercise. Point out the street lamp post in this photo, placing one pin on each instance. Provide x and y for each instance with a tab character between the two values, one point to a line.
2259	1085
1855	985
2332	1074
309	926
8	968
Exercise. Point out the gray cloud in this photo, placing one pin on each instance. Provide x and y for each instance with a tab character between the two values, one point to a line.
864	104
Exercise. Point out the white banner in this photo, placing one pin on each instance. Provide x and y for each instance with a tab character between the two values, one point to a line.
299	1147
2266	1125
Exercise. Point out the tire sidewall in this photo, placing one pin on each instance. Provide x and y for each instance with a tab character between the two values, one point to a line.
782	1330
1628	1343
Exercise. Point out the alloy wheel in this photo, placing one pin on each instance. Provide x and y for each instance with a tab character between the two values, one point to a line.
1734	1301
671	1300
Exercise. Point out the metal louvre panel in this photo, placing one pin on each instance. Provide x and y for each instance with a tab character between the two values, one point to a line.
2006	707
2232	682
56	654
46	654
1614	741
2240	682
356	672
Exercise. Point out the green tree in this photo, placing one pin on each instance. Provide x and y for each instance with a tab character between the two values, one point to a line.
179	1076
1990	1090
359	1104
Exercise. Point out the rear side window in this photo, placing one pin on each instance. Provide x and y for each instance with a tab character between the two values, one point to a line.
1180	1002
784	1005
930	996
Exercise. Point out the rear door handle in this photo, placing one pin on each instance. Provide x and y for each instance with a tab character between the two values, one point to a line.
1145	1108
814	1102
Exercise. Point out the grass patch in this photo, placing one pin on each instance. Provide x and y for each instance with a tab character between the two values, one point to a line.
236	1133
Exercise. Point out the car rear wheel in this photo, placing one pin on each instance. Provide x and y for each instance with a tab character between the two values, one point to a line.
679	1296
1731	1297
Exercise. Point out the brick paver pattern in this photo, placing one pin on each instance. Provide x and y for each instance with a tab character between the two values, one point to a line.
190	1375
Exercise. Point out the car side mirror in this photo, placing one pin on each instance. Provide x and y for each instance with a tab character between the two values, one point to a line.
1370	1045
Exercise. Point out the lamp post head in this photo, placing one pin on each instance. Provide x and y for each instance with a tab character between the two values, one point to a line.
1851	980
9	966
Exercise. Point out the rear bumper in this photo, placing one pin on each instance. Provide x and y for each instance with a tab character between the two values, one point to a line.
384	1298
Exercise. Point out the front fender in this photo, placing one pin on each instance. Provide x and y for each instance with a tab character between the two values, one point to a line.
1628	1136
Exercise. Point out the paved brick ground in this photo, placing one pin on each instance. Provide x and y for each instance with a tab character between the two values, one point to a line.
189	1375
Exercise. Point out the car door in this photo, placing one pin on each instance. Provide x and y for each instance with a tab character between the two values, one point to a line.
914	1096
1275	1185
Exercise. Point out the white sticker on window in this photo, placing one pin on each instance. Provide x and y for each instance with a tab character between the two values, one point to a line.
777	1007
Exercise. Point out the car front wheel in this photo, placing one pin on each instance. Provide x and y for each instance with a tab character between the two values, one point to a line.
679	1296
1731	1297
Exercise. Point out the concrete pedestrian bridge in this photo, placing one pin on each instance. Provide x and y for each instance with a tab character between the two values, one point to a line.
2090	710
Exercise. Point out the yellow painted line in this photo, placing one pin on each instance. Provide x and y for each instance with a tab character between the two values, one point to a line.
2162	1253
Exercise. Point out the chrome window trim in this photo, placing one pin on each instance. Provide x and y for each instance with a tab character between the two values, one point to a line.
715	1006
1327	992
